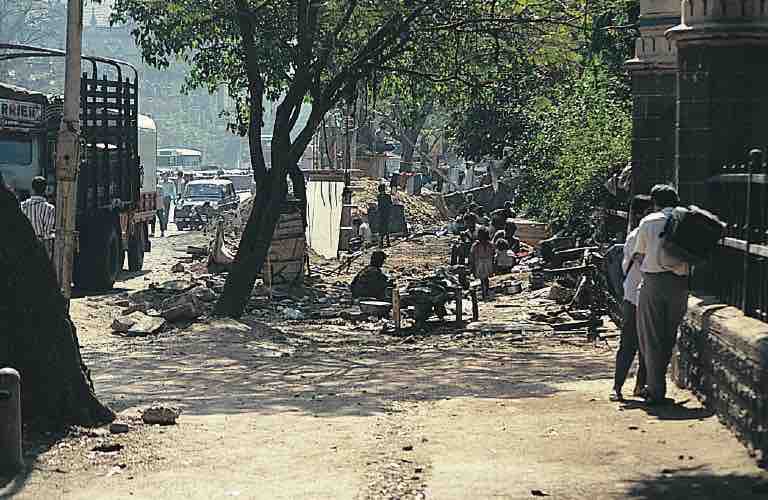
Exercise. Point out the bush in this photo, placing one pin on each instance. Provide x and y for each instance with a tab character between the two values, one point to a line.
578	135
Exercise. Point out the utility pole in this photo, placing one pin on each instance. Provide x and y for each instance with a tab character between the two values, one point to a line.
68	153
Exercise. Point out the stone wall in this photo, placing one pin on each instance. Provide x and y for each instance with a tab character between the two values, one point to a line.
722	356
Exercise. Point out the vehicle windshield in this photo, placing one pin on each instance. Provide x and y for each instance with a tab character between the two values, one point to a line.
14	151
204	191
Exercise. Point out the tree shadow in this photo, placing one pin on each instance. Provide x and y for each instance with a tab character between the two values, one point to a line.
129	275
229	367
698	483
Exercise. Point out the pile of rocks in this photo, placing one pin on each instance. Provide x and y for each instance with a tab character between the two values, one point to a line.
420	211
181	301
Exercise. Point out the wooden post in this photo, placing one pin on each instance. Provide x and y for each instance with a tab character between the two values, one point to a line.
459	305
68	154
10	422
396	307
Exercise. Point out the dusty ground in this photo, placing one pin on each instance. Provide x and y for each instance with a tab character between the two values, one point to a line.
322	409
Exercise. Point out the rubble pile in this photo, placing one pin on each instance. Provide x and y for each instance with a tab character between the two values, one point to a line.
181	301
420	211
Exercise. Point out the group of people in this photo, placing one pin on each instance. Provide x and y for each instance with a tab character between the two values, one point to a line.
169	190
488	244
655	297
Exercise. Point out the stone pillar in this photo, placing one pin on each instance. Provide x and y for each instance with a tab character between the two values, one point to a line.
653	71
722	95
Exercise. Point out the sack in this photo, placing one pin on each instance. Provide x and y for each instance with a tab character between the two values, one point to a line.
691	234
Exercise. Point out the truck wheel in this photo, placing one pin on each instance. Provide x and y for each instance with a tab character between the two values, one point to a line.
136	245
100	258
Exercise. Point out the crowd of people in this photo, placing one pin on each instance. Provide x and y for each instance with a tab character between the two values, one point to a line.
487	244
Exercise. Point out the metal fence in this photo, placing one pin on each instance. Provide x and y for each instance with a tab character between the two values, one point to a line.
738	271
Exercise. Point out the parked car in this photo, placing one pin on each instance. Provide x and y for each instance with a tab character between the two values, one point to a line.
201	198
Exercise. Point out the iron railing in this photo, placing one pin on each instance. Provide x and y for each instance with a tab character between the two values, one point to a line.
738	270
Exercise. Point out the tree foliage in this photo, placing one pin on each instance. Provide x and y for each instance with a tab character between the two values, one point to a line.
577	136
310	50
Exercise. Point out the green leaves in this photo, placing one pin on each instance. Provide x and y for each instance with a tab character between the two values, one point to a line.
581	135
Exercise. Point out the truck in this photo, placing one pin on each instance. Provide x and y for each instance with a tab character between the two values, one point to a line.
116	186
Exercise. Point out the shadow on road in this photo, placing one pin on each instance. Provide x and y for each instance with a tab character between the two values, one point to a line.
695	483
676	411
228	367
35	444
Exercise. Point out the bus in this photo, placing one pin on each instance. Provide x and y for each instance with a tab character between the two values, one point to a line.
179	159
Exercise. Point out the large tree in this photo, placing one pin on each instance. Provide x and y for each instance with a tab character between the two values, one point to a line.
37	336
300	51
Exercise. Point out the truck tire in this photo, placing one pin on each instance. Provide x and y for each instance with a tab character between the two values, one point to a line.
136	245
101	256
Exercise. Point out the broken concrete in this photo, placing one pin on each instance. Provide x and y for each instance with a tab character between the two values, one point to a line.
160	415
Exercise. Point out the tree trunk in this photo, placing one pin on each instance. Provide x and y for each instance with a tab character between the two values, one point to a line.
408	144
254	244
38	337
409	135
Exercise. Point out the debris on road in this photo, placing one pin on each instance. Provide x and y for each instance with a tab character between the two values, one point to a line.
160	415
118	428
137	323
108	447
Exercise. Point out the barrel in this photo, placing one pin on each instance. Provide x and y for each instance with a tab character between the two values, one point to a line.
288	250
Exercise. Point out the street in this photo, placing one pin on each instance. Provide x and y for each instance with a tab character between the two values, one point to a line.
327	409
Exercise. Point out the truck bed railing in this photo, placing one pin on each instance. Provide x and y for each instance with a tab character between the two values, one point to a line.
109	177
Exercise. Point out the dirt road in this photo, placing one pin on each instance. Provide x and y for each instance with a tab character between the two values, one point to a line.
311	409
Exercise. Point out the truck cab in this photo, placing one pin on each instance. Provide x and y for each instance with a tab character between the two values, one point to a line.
22	137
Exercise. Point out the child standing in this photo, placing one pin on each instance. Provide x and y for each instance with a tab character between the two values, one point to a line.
481	256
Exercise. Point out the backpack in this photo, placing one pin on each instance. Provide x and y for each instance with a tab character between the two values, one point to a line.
691	234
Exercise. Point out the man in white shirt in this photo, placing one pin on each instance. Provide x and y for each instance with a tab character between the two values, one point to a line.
40	213
629	343
663	297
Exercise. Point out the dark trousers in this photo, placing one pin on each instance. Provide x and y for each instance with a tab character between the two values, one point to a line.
165	213
629	345
384	231
660	310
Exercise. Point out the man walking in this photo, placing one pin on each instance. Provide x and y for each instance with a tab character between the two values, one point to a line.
168	194
663	297
40	213
384	208
629	343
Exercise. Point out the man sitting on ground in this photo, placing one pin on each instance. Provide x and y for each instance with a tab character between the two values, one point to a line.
371	281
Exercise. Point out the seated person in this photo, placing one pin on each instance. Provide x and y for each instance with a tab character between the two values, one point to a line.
499	235
509	213
510	228
482	218
505	258
371	281
362	236
498	219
